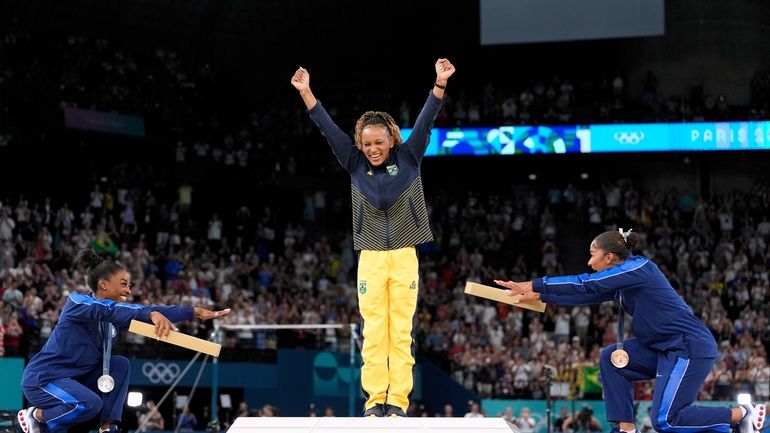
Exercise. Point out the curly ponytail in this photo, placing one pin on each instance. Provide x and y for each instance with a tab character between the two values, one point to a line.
379	118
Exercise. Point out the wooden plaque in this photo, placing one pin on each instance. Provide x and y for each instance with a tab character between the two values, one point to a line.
177	338
501	295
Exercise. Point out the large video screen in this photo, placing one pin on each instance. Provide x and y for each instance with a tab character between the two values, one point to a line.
532	21
641	137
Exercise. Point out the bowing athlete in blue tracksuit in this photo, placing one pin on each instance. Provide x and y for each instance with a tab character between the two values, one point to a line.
671	345
60	382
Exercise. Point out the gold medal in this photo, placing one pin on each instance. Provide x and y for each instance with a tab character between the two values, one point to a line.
619	358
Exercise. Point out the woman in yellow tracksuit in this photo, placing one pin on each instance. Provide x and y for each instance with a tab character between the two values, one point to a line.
389	219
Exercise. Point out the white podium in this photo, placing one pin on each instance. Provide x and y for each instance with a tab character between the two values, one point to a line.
370	425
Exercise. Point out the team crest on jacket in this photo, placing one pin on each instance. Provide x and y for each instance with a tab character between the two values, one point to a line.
414	285
362	287
392	169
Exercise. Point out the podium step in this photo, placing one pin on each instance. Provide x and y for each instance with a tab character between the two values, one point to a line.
370	425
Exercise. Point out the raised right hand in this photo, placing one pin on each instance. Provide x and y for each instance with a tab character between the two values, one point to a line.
301	79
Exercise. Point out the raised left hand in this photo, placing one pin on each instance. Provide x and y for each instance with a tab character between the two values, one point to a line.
523	291
205	314
444	70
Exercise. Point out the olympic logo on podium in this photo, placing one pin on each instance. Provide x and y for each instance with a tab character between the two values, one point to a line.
160	372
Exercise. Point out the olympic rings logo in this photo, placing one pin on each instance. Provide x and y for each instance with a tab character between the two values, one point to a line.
160	372
632	137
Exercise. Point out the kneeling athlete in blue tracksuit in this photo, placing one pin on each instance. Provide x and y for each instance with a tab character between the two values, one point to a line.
60	382
671	345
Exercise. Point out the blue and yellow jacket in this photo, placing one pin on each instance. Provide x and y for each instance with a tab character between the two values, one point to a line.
74	348
389	209
661	318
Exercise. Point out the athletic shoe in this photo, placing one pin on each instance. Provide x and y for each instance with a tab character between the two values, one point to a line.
376	411
754	419
394	412
27	421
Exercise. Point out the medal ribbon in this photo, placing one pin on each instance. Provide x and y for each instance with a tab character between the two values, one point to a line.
107	330
621	316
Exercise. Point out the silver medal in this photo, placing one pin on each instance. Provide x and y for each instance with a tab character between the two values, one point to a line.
105	383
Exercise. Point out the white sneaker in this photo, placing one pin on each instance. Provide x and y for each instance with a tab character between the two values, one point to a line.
27	421
754	419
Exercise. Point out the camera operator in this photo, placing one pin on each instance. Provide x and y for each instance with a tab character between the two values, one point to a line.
583	422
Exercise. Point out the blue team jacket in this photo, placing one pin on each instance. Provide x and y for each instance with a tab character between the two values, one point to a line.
389	210
661	318
74	348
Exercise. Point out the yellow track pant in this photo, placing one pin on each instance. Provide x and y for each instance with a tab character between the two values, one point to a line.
387	298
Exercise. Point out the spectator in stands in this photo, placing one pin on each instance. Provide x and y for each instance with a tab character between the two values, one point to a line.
2	336
558	423
7	225
12	295
474	411
269	410
187	420
151	419
243	409
670	341
525	422
389	219
13	332
508	414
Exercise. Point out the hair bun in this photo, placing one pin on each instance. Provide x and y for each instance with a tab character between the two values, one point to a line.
633	239
88	258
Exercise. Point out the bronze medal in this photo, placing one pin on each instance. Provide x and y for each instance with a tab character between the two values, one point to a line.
619	358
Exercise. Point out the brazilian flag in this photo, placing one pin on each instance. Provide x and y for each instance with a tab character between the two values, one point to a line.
588	380
104	245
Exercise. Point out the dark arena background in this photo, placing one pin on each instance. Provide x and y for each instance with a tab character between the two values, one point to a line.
166	135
